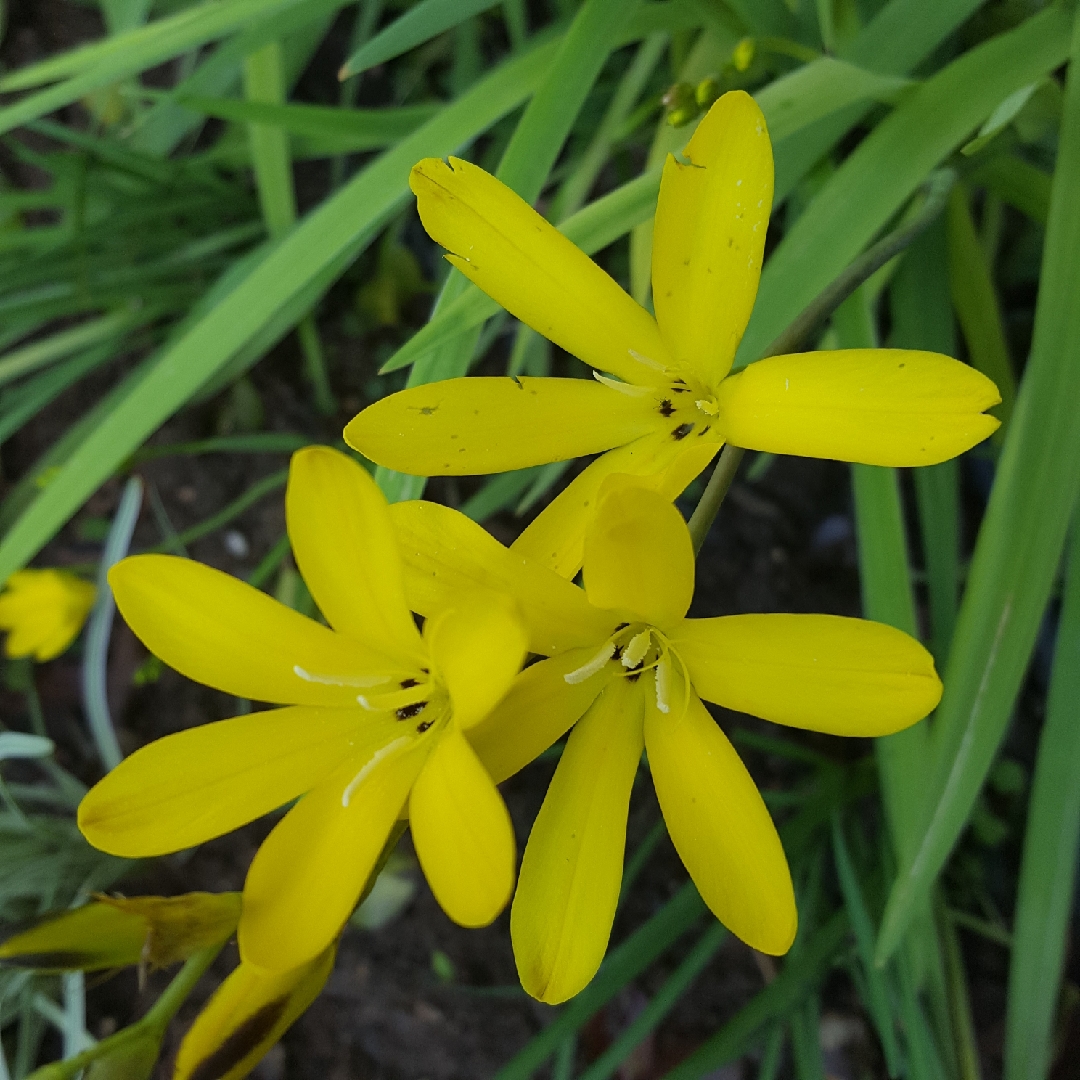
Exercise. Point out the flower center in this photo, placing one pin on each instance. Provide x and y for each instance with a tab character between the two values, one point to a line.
638	648
689	406
422	700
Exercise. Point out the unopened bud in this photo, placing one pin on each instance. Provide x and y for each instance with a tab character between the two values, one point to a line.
743	56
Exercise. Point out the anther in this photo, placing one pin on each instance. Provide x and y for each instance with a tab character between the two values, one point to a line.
407	712
663	684
635	651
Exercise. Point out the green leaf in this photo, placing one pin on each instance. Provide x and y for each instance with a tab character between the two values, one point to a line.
280	285
890	163
779	998
1019	544
977	308
1044	898
1020	184
796	100
264	82
420	23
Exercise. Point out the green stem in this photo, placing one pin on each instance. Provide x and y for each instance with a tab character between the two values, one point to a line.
153	1023
709	503
873	259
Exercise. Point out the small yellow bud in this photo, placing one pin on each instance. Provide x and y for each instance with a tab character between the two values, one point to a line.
706	92
743	56
681	104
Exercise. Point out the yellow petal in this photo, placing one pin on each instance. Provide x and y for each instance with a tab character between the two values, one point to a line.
875	406
477	647
822	672
484	425
197	784
719	824
222	632
556	537
345	548
462	832
638	556
90	938
538	709
248	1013
446	553
517	258
572	869
309	873
709	236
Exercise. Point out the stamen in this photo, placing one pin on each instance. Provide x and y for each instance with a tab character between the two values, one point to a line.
630	389
588	670
706	405
663	684
393	701
379	754
340	680
635	651
655	365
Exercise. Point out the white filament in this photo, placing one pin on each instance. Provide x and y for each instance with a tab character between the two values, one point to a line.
587	671
378	756
630	389
340	680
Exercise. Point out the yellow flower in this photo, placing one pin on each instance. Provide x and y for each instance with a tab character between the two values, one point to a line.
375	721
667	401
624	658
43	612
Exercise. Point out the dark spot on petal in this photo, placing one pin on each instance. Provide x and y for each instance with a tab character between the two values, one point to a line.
617	654
407	712
682	431
408	683
424	725
666	408
241	1042
520	384
427	410
903	365
707	427
621	626
634	676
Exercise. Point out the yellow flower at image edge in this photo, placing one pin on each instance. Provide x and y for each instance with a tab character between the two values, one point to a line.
626	660
374	723
667	400
43	612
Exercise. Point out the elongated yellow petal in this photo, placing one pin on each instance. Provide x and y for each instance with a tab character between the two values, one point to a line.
572	868
197	784
483	425
347	553
638	555
875	406
43	612
446	553
556	537
709	236
822	672
719	824
477	647
517	258
222	632
538	709
309	873
462	832
178	926
248	1013
90	938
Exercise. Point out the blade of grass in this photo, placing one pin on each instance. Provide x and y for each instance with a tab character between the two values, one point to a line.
1044	897
977	308
877	998
1019	543
1022	185
890	163
660	1004
922	319
304	262
778	999
99	628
